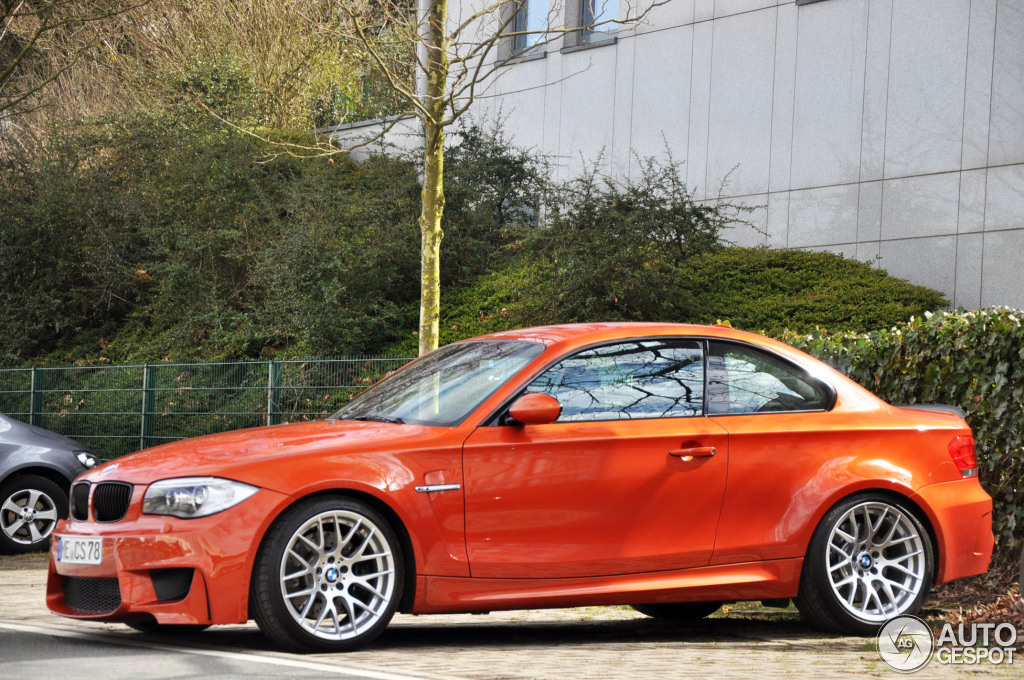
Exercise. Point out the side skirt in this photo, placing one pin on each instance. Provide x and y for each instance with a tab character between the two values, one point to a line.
774	579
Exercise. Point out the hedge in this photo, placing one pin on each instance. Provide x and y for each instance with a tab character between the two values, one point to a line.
974	360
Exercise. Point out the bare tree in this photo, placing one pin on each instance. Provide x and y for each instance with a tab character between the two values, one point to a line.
458	56
42	39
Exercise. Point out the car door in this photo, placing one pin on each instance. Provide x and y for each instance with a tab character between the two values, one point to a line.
785	445
629	479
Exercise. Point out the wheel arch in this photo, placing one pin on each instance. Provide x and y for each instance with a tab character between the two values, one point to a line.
389	514
52	474
905	499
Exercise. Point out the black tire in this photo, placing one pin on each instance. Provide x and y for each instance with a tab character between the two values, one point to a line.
678	611
304	555
27	529
854	587
151	627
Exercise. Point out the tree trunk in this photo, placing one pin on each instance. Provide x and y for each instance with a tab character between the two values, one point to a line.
436	39
431	234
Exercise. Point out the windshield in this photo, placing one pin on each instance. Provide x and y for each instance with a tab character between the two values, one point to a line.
443	387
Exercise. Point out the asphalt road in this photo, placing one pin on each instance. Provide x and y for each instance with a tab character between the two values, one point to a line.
589	643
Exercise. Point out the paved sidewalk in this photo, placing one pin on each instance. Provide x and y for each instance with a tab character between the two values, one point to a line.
593	642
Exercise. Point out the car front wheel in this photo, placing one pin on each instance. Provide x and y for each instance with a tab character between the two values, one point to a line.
328	576
870	560
29	509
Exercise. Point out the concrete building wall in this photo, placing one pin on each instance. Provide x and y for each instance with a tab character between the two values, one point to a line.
886	130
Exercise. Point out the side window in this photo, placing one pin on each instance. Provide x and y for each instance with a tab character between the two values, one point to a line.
742	379
637	379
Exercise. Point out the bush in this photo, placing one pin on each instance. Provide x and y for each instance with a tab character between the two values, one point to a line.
974	360
145	237
756	289
774	290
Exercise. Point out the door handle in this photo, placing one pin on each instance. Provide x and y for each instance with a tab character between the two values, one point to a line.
689	453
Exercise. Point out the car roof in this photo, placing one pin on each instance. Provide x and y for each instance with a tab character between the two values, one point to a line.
609	330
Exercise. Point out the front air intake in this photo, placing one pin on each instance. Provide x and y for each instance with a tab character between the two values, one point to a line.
110	501
92	595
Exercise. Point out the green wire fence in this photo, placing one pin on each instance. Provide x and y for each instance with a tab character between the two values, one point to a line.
114	410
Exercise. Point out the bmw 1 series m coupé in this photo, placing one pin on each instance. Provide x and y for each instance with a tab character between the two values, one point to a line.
663	466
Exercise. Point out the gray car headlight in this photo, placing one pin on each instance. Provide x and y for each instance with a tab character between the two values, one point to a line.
86	458
189	497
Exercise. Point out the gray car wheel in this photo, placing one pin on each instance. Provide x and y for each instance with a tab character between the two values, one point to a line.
29	509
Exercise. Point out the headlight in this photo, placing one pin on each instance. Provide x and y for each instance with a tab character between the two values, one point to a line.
86	458
190	497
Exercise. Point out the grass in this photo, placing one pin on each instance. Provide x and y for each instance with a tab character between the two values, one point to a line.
29	561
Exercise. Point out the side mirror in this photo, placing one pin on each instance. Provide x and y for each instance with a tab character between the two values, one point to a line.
535	409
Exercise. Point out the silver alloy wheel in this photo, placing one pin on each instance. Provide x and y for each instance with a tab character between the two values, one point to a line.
876	561
28	516
337	575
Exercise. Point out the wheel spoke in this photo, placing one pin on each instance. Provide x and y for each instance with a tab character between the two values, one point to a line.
842	552
373	591
906	556
308	542
892	530
877	525
900	586
47	515
351	612
893	564
865	532
14	527
11	506
845	536
853	592
375	574
852	578
296	574
335	619
350	534
366	542
901	541
309	603
887	587
323	614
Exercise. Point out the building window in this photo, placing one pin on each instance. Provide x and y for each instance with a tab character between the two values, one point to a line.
530	24
598	16
594	19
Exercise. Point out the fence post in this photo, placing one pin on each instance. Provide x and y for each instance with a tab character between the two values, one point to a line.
273	392
148	384
35	406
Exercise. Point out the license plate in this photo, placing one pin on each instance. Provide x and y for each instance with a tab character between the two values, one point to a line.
79	550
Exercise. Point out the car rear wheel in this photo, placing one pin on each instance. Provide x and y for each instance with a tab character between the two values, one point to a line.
678	611
328	576
870	560
29	509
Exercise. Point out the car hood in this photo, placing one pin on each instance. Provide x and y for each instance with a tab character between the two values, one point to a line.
18	432
231	454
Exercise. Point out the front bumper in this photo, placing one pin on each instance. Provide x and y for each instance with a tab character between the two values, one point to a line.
178	571
961	514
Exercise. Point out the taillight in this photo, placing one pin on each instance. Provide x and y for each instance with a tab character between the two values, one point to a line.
961	449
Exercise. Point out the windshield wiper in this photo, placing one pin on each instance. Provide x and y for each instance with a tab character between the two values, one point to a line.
380	419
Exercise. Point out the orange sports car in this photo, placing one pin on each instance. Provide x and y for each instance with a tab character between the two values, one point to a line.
668	467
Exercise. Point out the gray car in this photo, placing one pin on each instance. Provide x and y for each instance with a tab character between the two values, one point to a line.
36	470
